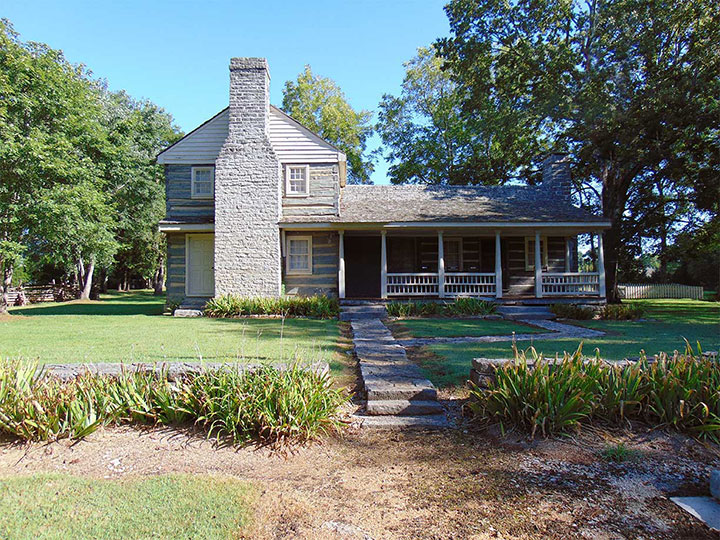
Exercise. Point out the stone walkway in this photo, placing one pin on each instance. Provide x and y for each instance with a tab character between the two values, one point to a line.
557	331
395	386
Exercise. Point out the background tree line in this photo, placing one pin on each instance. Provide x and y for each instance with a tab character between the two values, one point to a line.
80	195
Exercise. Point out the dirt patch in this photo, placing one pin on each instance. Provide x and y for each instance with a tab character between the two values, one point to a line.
454	484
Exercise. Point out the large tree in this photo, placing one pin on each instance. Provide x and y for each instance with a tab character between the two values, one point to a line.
319	104
428	139
628	86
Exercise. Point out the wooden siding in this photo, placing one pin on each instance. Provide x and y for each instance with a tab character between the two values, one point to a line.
519	281
175	283
178	202
200	146
323	279
292	142
323	197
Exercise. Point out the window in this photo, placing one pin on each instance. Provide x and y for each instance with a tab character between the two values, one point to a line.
530	253
452	251
299	255
203	183
296	180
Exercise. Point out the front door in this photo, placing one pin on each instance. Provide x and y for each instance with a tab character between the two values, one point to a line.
199	265
362	266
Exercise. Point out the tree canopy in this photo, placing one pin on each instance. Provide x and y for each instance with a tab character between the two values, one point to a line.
629	87
319	104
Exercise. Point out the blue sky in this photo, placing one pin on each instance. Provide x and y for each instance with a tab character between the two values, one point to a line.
176	53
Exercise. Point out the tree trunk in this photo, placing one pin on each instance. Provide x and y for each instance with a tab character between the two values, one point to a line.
159	276
7	281
104	281
87	281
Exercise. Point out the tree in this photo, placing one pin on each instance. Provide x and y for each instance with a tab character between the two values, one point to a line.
628	86
49	137
430	140
319	104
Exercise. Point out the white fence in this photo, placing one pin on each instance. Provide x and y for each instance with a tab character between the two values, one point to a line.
408	284
571	284
634	291
469	284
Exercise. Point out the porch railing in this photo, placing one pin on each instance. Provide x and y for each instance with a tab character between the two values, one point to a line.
410	284
571	284
469	284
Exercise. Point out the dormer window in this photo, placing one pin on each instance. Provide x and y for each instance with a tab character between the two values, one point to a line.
202	185
296	180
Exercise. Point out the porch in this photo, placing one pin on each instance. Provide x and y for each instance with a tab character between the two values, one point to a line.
442	264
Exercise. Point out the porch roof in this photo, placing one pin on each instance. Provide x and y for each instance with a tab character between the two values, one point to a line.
463	204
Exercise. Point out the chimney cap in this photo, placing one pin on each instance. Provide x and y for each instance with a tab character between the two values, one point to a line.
243	62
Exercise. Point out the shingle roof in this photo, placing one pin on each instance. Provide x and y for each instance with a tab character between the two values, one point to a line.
414	203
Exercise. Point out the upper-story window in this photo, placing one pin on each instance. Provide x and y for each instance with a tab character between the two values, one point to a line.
202	185
297	178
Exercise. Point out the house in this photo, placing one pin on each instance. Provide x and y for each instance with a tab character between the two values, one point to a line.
258	205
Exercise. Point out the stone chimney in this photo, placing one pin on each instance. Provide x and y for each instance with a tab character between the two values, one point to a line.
247	189
556	180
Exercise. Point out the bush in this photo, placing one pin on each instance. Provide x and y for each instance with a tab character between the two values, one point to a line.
572	311
622	312
458	307
226	306
680	391
266	404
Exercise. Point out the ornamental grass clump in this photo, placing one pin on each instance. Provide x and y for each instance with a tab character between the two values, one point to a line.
228	305
544	396
622	312
457	308
266	404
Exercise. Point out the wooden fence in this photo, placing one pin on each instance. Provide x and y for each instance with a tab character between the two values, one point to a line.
48	293
634	291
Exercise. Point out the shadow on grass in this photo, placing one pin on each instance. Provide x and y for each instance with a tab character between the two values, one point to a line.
134	303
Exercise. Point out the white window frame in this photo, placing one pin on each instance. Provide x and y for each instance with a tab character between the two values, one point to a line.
530	266
305	193
193	193
298	272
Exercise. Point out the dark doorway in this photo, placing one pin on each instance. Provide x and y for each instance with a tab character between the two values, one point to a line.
362	266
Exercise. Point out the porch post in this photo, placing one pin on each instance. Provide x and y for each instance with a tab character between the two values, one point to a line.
538	266
498	266
441	266
601	265
341	264
567	253
383	264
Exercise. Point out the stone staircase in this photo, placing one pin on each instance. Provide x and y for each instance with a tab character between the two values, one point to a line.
395	386
525	312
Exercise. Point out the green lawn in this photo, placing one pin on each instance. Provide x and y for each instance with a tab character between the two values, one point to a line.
670	322
126	327
461	327
44	506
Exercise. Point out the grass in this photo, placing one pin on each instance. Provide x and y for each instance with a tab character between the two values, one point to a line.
59	506
462	327
126	327
667	324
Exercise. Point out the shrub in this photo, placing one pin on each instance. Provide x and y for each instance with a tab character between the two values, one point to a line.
266	404
622	312
225	306
458	307
572	311
680	391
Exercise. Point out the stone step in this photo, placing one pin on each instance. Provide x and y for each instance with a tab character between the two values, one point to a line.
402	407
355	313
526	312
422	391
432	421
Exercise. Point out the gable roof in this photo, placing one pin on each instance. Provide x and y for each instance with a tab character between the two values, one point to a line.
291	141
451	204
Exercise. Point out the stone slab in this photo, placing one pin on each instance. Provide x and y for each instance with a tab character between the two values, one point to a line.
715	484
402	407
434	421
186	312
706	509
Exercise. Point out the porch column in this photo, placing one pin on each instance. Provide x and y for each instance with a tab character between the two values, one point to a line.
538	266
567	253
383	264
601	265
498	266
341	264
441	266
